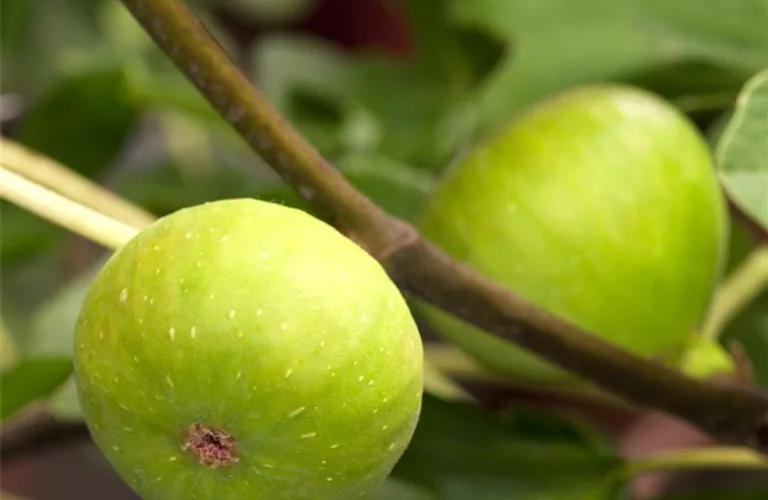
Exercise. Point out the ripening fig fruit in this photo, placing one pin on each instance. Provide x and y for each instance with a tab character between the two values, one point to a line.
599	205
243	349
706	358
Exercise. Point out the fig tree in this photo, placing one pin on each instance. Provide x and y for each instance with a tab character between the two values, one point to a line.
243	349
599	205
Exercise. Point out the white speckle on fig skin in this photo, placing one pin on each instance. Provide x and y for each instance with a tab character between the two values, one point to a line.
288	372
193	332
264	255
238	375
309	435
123	295
170	382
231	314
172	333
297	411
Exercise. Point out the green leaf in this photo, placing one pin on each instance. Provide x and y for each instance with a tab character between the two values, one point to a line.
309	81
699	53
26	39
394	489
460	452
64	404
53	323
31	380
462	55
399	189
731	33
395	187
165	188
750	329
270	11
559	44
25	235
742	151
82	121
344	103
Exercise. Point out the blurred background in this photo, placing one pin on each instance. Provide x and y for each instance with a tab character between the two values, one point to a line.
391	91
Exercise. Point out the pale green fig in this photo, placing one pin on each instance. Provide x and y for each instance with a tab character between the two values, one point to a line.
706	358
601	206
243	349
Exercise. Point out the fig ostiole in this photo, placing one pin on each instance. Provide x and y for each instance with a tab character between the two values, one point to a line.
243	349
601	206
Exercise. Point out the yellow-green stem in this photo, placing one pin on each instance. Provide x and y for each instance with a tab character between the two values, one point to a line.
52	175
63	212
744	284
716	457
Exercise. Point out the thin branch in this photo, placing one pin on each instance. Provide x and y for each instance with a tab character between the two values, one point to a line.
730	414
32	428
63	211
52	175
745	284
714	457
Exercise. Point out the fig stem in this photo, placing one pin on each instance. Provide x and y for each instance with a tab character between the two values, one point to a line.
715	457
50	174
62	211
741	287
732	414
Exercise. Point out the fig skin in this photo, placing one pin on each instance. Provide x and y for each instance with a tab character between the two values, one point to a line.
601	206
264	323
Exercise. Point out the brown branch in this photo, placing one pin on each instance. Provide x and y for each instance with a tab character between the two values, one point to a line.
730	414
33	428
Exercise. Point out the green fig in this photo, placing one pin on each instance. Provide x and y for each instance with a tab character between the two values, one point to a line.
243	349
600	205
706	358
